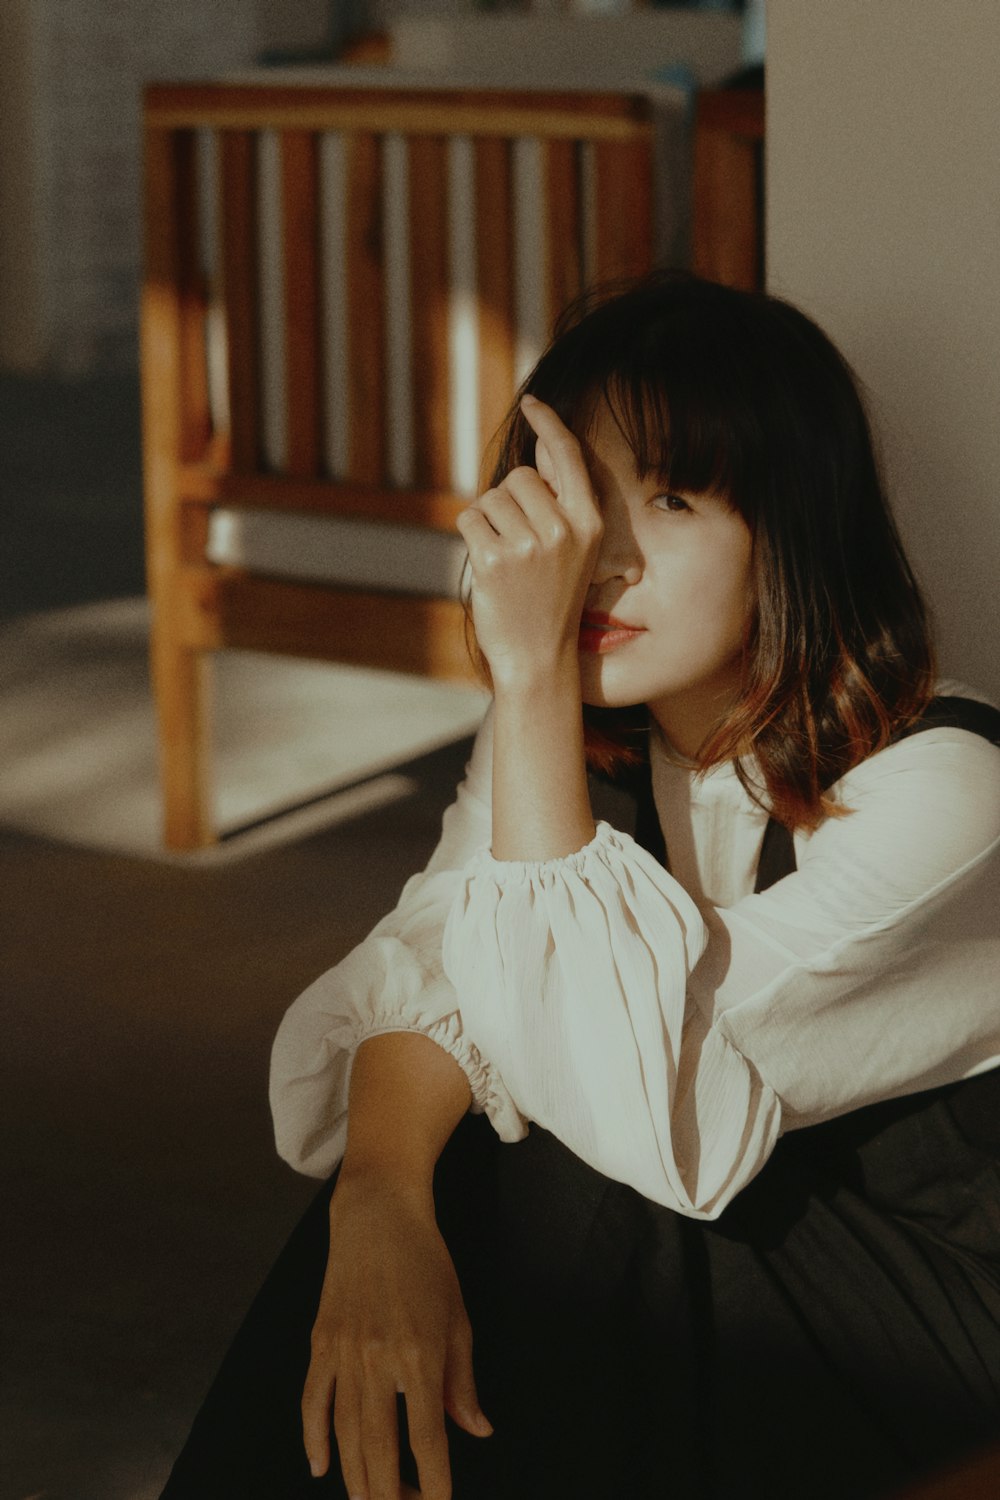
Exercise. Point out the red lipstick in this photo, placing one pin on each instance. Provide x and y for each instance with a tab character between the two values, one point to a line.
601	632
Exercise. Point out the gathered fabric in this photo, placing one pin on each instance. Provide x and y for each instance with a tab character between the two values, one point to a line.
669	1023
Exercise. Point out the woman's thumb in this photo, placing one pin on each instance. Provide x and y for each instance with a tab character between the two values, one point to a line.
460	1398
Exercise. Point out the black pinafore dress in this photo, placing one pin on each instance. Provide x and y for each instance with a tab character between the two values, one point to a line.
834	1334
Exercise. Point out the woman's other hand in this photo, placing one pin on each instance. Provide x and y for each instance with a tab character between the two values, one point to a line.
533	543
391	1318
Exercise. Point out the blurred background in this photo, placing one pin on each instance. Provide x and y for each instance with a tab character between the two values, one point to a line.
143	982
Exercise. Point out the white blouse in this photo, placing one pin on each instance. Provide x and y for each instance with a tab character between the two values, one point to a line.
669	1027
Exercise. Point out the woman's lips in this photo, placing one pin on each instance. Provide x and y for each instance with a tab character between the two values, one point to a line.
600	633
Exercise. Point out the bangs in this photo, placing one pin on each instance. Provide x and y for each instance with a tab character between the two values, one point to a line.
680	438
681	387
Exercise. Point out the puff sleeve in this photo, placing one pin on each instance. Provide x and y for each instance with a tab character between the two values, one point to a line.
393	981
668	1043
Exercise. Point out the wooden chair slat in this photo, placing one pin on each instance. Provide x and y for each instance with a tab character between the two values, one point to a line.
428	193
600	115
303	319
438	509
564	237
726	242
225	607
365	309
735	111
623	192
160	326
495	291
196	419
238	260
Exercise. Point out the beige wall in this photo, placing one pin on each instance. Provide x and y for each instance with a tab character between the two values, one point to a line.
883	208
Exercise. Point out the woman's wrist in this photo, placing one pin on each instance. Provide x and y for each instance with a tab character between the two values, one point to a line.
543	673
407	1096
363	1179
541	801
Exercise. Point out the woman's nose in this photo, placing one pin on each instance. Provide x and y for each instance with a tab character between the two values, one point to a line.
618	555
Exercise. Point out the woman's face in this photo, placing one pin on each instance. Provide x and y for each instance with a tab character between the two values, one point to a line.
676	568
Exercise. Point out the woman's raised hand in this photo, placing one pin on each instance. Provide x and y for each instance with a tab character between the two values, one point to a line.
390	1319
533	543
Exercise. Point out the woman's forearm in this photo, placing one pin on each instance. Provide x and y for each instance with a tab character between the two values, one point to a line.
541	801
533	544
391	1316
407	1096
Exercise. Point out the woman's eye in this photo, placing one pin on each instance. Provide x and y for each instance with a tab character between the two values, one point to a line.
670	502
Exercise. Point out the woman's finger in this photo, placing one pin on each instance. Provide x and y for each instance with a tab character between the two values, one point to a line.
505	512
380	1437
317	1395
461	1399
485	547
545	466
572	482
488	545
347	1426
429	1442
548	521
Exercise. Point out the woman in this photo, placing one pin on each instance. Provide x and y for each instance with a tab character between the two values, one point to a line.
750	1243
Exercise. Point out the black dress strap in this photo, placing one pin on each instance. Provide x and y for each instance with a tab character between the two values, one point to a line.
777	855
648	831
957	713
869	1209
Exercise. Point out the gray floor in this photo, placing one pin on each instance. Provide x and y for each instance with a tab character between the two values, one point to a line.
143	1199
70	492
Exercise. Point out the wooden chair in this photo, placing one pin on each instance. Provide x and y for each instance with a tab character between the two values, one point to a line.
206	449
727	239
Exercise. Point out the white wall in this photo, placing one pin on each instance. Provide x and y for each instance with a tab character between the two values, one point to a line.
883	222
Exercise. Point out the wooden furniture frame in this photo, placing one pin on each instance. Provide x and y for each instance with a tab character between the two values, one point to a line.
598	225
727	242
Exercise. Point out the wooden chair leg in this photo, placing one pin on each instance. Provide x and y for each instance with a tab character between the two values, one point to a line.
183	694
176	428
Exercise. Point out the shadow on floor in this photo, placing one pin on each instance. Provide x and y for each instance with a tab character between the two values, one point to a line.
143	1198
71	515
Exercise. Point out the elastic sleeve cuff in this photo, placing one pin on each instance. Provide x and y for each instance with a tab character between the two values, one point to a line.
544	871
489	1096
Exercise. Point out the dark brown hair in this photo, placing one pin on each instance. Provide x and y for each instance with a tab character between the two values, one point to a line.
741	395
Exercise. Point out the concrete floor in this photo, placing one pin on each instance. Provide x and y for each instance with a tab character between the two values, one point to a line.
71	510
78	736
143	1199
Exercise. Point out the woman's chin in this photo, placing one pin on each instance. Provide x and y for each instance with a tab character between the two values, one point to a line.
601	688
